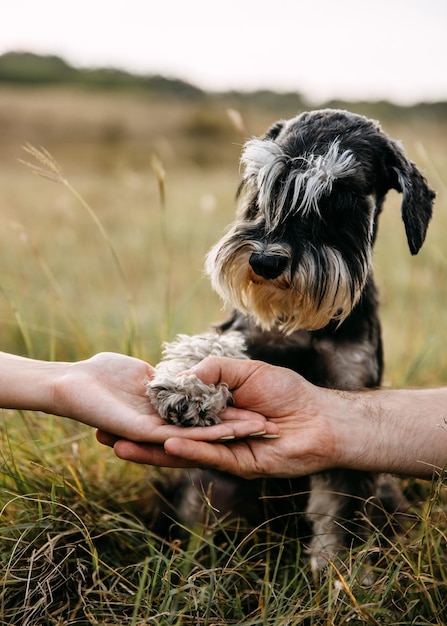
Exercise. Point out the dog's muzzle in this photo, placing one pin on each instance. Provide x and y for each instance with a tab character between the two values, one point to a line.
268	266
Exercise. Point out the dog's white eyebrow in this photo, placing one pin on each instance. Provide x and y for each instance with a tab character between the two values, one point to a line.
308	177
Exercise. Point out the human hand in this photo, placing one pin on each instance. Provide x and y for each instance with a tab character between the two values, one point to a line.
108	391
299	410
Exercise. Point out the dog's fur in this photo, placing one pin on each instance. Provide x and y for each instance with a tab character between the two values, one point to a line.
296	267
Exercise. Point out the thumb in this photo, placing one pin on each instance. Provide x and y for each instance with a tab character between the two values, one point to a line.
233	372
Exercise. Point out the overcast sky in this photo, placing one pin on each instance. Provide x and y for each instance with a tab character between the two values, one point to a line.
353	49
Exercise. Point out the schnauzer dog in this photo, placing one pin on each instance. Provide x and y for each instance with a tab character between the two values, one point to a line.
296	266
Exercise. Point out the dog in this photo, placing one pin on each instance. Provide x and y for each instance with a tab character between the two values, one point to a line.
296	267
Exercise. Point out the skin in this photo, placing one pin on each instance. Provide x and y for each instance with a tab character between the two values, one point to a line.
398	431
108	392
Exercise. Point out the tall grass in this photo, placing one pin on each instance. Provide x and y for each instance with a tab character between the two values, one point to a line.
112	259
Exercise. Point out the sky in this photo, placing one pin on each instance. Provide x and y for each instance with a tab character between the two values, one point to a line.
324	49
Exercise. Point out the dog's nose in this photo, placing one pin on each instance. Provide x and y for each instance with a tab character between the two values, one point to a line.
267	265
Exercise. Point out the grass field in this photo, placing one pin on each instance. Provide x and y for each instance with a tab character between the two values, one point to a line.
74	547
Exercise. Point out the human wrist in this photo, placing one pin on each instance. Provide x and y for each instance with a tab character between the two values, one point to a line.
357	431
62	385
43	380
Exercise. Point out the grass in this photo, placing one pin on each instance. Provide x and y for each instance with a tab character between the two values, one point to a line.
111	259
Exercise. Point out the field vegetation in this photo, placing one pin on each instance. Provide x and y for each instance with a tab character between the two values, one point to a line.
109	257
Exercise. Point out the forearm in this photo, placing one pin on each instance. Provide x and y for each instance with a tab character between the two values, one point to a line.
27	383
399	431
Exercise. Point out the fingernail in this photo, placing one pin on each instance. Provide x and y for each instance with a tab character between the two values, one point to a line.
272	436
227	438
258	434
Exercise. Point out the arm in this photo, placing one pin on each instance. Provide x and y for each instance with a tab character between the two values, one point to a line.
106	391
401	431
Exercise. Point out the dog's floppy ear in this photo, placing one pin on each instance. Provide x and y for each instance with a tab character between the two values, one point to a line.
417	200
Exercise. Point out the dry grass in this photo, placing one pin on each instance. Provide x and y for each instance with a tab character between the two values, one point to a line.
99	262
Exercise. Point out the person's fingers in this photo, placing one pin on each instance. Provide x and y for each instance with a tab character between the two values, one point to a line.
237	458
148	455
236	424
179	453
107	439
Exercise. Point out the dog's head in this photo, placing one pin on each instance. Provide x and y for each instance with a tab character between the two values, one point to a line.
299	253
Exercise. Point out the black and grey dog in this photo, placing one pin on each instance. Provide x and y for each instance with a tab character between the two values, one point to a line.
296	266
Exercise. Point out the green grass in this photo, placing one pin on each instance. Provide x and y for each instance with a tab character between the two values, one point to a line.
75	551
124	274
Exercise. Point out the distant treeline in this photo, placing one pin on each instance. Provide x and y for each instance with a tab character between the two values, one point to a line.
28	69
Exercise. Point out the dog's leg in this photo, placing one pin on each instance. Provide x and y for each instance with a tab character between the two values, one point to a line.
184	399
337	511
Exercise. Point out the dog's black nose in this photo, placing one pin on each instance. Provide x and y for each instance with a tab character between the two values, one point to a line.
267	265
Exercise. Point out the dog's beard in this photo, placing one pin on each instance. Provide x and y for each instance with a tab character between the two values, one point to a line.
321	289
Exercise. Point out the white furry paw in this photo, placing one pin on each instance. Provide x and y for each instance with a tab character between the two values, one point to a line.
187	401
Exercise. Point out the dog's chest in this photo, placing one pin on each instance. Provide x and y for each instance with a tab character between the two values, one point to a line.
323	359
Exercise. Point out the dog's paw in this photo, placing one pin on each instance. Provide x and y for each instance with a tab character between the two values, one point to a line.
187	401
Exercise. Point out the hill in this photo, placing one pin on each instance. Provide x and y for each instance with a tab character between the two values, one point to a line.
29	69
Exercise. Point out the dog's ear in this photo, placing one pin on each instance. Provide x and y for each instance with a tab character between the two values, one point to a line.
417	200
274	130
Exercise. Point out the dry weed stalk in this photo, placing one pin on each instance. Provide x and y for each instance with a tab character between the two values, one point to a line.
47	167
